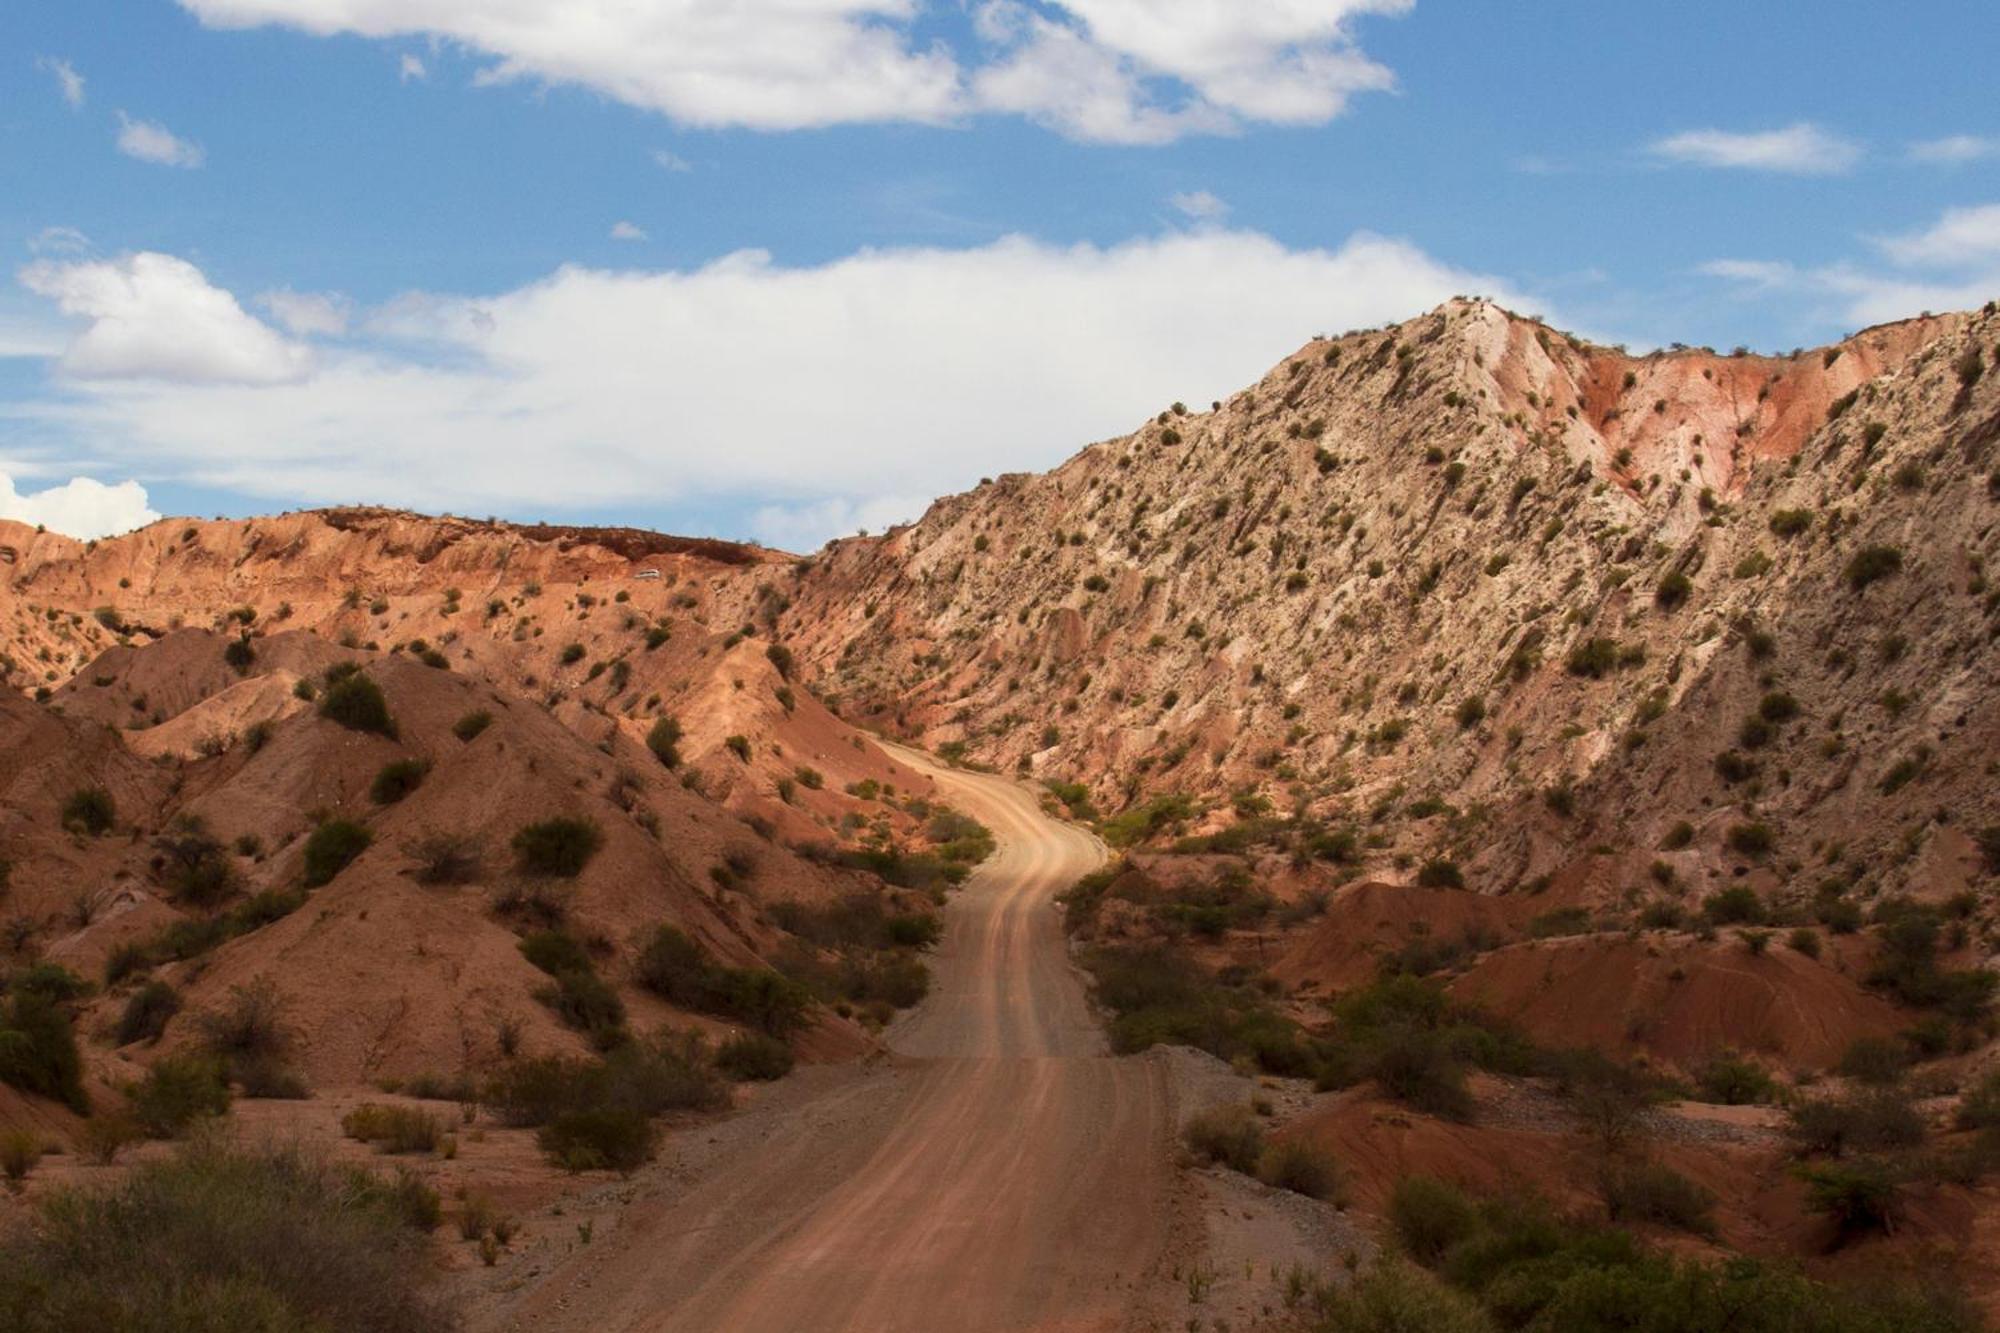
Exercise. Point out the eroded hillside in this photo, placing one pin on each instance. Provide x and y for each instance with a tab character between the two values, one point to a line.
1471	587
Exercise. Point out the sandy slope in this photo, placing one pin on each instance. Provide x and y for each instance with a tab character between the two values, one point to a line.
1006	1173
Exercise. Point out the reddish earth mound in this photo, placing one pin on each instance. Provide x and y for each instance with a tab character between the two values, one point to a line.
1679	998
1364	922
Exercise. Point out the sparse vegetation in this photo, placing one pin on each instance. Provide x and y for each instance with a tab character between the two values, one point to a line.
331	848
213	1238
557	848
356	702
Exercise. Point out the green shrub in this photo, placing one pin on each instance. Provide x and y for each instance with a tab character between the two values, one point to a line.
664	741
675	968
1654	1193
1790	522
38	1051
586	1002
446	858
1876	1061
215	1239
354	701
1300	1168
147	1013
1429	1217
1753	840
1730	1080
394	1129
89	811
1672	591
1871	564
1392	1297
1440	874
1859	1197
753	1057
1737	905
469	727
1530	1269
559	847
177	1091
1594	658
1872	1121
397	779
555	952
194	867
600	1139
331	848
679	970
1228	1136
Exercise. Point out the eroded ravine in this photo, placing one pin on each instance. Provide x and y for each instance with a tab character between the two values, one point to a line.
1009	1173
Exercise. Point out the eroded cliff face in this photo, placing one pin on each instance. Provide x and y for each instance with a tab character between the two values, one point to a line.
1471	584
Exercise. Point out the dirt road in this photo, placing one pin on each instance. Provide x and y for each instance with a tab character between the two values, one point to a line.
1006	1174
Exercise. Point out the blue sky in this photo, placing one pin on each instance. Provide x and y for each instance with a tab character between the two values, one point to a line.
777	269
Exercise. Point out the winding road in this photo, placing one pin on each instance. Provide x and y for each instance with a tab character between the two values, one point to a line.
1007	1173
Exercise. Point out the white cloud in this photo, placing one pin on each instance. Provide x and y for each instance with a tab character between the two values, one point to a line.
807	527
1126	71
156	317
627	231
1961	250
68	81
308	314
150	142
1800	150
669	161
1199	206
1961	236
80	508
58	241
411	69
746	383
763	64
1150	71
1954	149
1757	272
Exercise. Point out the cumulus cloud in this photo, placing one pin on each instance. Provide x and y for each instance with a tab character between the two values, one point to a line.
152	316
1958	254
627	231
1151	71
1954	149
670	161
308	314
151	142
68	82
410	69
1800	150
747	383
80	508
1126	71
